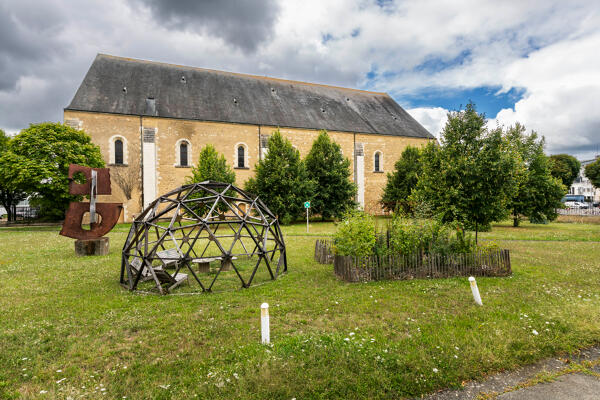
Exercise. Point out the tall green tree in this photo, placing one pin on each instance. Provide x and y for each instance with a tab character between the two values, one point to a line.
39	159
330	170
539	193
10	193
402	181
565	167
472	175
592	172
281	180
212	166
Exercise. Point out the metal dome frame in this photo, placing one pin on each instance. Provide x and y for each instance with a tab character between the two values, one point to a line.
176	230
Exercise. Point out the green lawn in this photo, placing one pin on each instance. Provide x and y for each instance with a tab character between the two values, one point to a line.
67	329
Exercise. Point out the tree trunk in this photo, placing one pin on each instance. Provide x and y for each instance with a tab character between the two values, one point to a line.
516	221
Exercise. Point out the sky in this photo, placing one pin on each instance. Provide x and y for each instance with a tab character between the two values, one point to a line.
535	62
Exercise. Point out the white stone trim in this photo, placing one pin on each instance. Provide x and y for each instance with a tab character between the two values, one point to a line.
149	171
111	149
74	123
360	180
178	154
246	155
380	161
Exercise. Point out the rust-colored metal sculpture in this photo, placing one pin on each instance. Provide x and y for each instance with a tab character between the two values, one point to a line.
97	181
209	230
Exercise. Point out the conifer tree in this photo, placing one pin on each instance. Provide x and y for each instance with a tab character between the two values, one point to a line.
212	166
330	170
402	181
281	180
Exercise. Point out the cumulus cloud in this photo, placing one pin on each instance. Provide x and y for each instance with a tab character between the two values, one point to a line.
545	48
432	118
563	95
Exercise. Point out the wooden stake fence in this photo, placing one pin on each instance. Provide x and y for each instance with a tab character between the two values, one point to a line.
417	265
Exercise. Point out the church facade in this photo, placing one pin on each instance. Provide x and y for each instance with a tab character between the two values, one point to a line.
151	120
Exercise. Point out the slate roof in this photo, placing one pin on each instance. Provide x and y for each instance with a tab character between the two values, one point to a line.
127	86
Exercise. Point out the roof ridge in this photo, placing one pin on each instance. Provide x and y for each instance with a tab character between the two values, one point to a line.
267	78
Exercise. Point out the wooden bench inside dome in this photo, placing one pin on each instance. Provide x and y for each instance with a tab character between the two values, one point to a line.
172	257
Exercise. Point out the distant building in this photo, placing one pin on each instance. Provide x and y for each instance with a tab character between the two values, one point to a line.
583	186
156	117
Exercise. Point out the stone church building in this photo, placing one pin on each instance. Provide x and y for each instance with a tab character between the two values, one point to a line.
152	119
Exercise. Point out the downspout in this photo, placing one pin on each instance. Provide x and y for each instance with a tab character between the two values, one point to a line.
354	163
142	160
259	144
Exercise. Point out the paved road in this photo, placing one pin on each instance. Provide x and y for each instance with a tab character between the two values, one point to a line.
565	386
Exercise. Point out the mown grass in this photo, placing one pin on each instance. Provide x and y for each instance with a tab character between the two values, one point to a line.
67	329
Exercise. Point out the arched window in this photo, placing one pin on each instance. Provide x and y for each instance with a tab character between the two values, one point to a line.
377	162
119	152
241	157
183	154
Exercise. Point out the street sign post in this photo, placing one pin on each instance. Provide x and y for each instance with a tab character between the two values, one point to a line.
307	206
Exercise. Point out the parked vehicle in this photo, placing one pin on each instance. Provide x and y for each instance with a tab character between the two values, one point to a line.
576	205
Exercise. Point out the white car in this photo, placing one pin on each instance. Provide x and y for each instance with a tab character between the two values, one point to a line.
575	204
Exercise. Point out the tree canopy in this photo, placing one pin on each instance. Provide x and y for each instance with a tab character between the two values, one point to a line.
10	193
37	161
539	193
330	170
402	181
592	172
565	167
472	175
212	166
281	180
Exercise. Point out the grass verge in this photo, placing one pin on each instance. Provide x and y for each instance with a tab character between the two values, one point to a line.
68	329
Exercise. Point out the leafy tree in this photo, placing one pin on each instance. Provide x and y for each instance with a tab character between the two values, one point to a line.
10	193
592	172
281	180
331	172
402	181
565	167
39	159
472	175
212	166
539	193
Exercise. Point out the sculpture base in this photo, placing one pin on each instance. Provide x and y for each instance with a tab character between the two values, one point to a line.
92	247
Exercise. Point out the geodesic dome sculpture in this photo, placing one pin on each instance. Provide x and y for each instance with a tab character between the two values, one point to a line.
208	235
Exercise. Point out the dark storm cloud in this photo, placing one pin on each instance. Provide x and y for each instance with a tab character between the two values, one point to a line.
26	39
244	24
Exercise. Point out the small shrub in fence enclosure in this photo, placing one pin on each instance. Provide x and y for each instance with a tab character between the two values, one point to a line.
407	236
355	235
411	248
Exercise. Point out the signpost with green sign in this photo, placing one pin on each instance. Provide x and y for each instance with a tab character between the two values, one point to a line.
307	206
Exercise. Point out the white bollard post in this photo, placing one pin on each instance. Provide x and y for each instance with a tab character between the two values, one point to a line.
264	323
475	291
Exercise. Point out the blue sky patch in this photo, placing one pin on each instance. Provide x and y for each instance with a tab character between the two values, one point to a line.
485	98
438	64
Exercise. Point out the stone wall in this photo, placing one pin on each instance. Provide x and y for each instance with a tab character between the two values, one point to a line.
225	137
